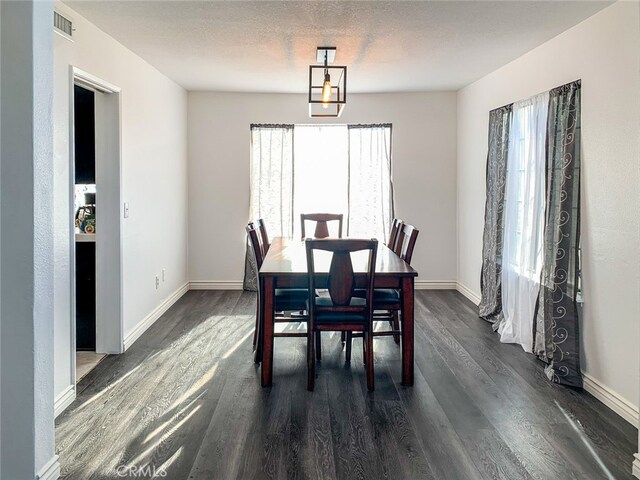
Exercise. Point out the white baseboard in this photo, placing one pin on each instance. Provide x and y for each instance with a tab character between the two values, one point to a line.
467	292
435	285
51	470
65	399
150	319
215	285
636	465
611	399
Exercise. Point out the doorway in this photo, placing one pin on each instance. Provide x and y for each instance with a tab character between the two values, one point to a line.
85	224
95	222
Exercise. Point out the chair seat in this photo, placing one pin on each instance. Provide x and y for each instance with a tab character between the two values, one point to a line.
292	293
338	317
381	295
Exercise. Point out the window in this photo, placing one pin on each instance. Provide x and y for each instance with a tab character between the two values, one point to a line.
525	197
322	168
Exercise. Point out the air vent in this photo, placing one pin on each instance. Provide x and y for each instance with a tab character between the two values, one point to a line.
62	25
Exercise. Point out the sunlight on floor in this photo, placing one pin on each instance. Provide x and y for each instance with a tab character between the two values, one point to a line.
237	345
586	441
168	433
109	388
177	415
202	381
163	468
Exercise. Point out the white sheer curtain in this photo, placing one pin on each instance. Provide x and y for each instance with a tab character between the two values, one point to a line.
271	187
370	185
524	220
272	177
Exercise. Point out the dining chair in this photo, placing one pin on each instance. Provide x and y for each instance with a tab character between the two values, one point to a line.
406	241
262	228
321	219
387	303
396	224
286	299
388	299
393	235
340	310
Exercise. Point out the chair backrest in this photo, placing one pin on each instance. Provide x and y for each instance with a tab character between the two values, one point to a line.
256	243
393	235
264	237
407	236
321	219
341	277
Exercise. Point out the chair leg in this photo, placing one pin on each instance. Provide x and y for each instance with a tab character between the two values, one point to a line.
349	336
343	337
311	362
318	336
255	330
257	346
364	349
369	357
395	324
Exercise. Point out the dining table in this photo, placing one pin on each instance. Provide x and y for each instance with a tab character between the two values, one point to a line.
285	266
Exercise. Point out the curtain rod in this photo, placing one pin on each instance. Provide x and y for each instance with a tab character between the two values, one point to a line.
272	125
577	82
369	125
348	125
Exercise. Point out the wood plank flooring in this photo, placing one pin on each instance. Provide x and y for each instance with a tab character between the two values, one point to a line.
87	361
185	402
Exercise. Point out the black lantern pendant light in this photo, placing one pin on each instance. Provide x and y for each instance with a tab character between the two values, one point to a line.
327	85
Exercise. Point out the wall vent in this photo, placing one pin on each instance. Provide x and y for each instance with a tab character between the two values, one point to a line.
62	25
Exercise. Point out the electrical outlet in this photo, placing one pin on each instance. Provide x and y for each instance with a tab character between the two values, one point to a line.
164	271
157	282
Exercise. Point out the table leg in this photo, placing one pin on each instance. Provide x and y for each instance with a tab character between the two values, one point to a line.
407	331
267	336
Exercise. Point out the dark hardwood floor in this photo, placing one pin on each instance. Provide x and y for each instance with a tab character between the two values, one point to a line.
186	400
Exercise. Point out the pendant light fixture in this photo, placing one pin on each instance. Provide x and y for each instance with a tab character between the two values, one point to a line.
327	85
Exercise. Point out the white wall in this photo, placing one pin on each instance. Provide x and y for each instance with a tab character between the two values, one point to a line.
26	266
154	178
604	52
424	171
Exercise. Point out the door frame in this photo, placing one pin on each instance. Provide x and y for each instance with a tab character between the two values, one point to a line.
109	311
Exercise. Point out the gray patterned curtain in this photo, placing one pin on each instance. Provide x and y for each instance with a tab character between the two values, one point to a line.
557	333
490	307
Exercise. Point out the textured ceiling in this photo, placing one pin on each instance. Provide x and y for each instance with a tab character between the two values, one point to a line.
262	46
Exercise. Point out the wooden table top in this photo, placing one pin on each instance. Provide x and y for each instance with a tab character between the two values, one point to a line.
287	256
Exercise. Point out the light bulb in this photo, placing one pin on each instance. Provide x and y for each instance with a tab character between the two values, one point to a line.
326	89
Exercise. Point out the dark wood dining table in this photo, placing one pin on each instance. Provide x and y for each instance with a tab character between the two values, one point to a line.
285	266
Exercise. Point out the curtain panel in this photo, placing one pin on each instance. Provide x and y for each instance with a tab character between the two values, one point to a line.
554	322
271	187
490	307
557	325
524	220
370	185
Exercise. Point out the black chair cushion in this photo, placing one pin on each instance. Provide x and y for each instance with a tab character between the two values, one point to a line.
292	293
339	317
381	295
